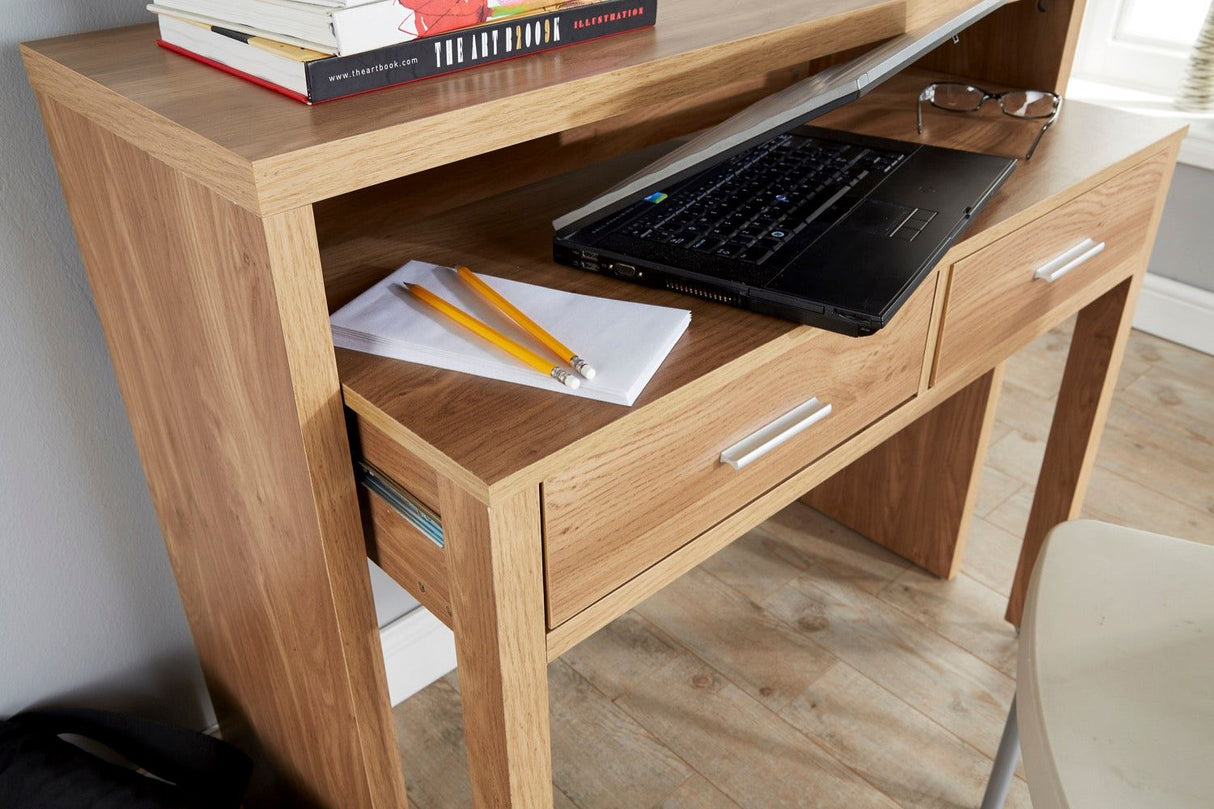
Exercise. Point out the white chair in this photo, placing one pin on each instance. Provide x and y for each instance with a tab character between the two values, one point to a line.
1115	676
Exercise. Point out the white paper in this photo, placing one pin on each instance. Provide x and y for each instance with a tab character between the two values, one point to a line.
625	342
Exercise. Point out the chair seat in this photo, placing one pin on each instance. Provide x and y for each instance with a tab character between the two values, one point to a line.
1115	683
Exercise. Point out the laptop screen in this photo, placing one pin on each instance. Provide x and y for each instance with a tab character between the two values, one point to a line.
780	112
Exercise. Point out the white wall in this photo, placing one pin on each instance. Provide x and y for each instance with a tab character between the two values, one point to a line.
89	613
1184	250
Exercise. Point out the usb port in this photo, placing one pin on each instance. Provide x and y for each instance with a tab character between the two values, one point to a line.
625	270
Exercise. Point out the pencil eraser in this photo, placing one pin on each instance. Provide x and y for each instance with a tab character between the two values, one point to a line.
582	367
572	382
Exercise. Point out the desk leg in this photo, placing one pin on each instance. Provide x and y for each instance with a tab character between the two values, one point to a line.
497	597
915	493
1099	341
216	323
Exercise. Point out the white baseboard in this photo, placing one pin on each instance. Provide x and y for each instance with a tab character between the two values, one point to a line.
418	649
1178	312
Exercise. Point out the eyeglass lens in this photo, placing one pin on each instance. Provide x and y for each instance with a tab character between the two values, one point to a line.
956	97
1028	103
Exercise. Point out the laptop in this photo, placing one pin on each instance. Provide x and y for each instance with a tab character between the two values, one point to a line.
768	213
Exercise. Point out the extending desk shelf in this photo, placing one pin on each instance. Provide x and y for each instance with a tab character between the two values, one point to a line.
611	478
220	224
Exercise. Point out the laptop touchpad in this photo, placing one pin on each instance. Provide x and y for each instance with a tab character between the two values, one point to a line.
877	217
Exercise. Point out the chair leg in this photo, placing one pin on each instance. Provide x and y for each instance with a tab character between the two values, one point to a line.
1004	768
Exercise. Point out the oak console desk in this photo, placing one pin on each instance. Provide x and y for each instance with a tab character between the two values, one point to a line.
220	224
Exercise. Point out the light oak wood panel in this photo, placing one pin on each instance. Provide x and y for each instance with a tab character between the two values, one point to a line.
915	493
294	261
1017	46
301	154
497	592
215	323
406	470
407	555
633	498
995	301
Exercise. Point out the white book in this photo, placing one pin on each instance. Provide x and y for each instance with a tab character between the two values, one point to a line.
626	342
340	29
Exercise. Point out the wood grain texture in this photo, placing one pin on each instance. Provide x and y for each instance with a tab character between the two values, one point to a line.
996	304
214	320
915	493
1018	45
497	592
628	500
509	235
408	471
407	555
707	544
294	154
1097	346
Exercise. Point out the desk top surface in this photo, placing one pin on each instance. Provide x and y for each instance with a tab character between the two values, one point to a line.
510	235
287	151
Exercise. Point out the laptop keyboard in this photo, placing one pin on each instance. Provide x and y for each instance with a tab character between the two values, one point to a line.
753	204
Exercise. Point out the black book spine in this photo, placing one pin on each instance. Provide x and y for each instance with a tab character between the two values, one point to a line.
340	76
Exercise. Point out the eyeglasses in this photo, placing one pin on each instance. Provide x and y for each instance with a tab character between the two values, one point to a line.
1034	105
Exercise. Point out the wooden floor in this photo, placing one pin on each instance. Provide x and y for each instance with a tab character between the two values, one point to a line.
804	666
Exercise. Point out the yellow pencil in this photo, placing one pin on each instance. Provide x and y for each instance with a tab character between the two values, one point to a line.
530	326
493	336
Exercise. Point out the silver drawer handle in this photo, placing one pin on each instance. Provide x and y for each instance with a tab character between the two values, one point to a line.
1055	268
758	444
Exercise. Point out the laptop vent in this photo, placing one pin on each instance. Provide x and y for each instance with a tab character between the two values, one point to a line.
704	292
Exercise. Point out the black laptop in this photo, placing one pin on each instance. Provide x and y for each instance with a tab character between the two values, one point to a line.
816	226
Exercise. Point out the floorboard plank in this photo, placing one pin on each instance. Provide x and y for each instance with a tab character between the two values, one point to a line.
958	691
897	749
768	659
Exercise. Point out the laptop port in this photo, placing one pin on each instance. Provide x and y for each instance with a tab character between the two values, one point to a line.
624	270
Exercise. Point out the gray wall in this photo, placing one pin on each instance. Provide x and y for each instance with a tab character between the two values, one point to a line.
89	613
1184	250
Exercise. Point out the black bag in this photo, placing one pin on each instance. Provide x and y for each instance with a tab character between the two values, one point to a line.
38	770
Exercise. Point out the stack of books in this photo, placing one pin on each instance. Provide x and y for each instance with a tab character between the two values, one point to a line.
319	50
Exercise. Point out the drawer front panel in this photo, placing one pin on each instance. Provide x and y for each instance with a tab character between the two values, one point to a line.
411	558
1013	290
626	506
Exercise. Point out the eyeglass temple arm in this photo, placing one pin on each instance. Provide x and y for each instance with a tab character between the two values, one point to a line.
1047	125
919	108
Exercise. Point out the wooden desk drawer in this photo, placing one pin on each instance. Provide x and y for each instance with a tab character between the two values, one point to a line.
415	558
1003	295
627	505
